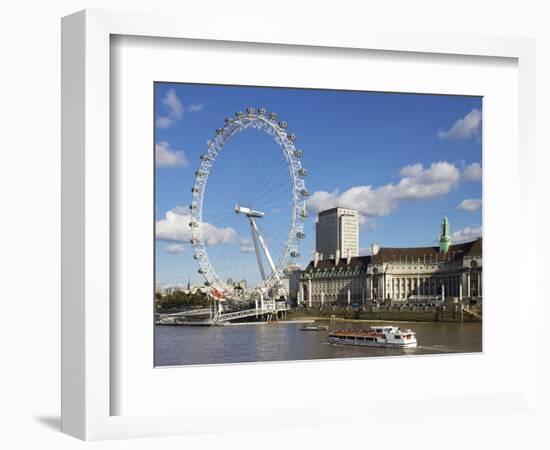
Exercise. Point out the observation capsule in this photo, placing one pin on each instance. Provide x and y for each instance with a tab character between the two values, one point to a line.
195	257
300	235
302	171
194	189
298	153
250	111
304	192
304	213
228	120
239	114
291	137
294	254
193	224
283	124
262	111
192	206
200	271
273	117
219	130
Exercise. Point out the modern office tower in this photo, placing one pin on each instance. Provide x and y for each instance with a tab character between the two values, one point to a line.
337	233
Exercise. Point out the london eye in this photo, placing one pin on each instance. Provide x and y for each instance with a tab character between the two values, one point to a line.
248	206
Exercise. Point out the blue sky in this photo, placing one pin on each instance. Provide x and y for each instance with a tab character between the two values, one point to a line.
402	160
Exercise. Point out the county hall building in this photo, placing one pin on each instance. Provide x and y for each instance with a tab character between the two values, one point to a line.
390	275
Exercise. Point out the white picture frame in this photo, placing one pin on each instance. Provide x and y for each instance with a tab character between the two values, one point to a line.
87	317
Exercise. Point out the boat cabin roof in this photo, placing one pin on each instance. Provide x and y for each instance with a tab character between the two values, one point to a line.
385	328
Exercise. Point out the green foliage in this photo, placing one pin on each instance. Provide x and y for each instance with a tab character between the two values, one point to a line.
178	300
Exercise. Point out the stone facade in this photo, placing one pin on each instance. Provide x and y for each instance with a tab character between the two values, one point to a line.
396	275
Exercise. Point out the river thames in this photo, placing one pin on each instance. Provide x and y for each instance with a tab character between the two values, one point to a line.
284	341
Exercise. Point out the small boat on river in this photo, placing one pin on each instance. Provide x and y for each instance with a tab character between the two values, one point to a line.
382	336
314	328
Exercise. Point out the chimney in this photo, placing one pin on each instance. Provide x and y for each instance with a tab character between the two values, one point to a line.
348	257
316	259
374	248
337	258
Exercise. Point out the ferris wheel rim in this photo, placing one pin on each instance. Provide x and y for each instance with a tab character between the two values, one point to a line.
266	122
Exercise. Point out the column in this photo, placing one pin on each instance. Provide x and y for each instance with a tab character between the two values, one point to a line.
371	287
309	292
456	286
384	285
468	292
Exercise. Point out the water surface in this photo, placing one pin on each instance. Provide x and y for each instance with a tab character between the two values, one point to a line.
183	345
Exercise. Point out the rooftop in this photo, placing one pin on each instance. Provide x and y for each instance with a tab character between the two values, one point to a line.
404	254
411	254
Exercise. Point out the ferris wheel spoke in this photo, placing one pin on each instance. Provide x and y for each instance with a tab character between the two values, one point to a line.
267	184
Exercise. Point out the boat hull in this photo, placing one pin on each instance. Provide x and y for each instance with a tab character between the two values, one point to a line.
372	344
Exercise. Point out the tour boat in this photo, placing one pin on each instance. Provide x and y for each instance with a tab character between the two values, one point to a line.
383	336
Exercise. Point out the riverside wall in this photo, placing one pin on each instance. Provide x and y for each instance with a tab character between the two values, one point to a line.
451	313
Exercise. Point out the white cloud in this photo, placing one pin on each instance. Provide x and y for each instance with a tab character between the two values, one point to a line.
416	183
176	248
466	234
195	107
470	204
175	228
164	122
246	245
175	110
413	170
174	105
472	172
464	128
168	157
367	222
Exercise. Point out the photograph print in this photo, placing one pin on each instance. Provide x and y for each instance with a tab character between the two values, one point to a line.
300	224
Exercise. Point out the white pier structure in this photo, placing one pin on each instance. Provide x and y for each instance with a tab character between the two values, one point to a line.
268	310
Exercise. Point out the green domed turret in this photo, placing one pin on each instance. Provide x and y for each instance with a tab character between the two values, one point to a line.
445	236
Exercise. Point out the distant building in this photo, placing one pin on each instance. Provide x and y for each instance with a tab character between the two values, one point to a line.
236	284
337	233
397	275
